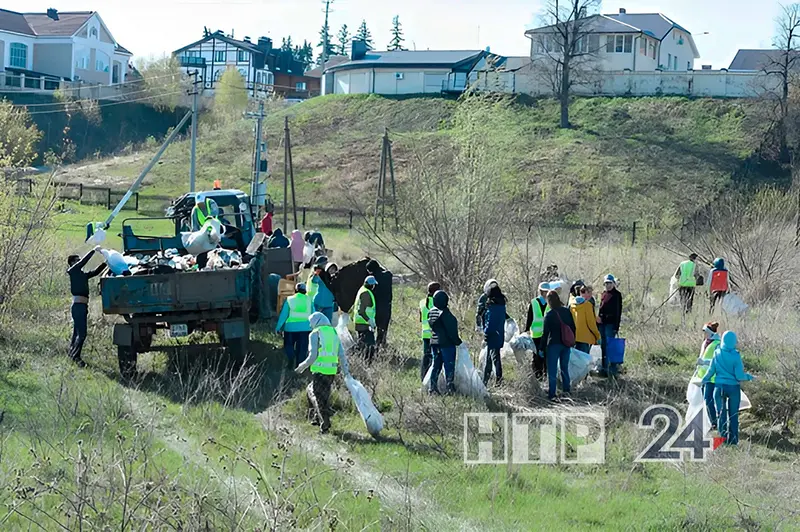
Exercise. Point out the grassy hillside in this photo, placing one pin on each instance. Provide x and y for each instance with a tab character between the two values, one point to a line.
645	159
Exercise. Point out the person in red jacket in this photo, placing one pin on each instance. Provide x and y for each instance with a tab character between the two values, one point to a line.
266	224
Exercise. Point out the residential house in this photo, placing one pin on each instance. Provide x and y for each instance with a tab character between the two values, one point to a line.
768	60
401	72
265	69
638	42
40	49
315	74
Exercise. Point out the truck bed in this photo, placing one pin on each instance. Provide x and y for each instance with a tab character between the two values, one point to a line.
177	292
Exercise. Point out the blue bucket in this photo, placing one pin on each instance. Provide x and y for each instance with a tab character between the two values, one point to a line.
615	350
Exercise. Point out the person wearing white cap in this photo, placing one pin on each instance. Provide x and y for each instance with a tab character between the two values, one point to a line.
609	318
534	323
293	321
481	309
364	318
204	209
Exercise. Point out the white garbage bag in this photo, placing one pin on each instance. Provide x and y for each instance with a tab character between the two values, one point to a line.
733	304
426	382
116	261
674	300
745	404
204	240
97	238
308	253
344	333
596	353
372	418
511	330
694	396
482	357
468	380
580	364
522	342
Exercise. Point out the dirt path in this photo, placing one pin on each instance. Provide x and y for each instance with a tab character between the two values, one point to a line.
102	173
410	502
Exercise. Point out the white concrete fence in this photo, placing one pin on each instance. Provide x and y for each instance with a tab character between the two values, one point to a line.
698	83
76	89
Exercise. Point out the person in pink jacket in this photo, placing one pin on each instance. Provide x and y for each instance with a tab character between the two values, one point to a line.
297	246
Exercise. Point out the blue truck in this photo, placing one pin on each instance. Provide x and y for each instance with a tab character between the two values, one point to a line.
224	301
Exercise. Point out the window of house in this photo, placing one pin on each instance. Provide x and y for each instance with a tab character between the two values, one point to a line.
619	46
101	62
218	74
609	44
300	86
688	65
669	61
192	53
82	57
18	55
243	72
594	44
93	33
652	49
643	47
628	44
219	56
243	56
675	63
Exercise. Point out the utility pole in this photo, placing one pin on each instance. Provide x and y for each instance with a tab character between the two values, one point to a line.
257	149
387	164
193	159
326	37
288	175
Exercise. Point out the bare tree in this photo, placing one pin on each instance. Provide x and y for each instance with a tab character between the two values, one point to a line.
565	48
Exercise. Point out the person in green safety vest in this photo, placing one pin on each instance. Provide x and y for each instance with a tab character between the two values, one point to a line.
710	344
294	322
364	318
687	282
425	306
535	324
325	355
203	210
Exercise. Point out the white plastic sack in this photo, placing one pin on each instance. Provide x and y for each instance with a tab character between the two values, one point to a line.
308	253
674	300
372	418
426	382
511	330
596	353
116	261
344	333
468	381
204	240
745	404
580	364
522	342
97	238
694	396
733	304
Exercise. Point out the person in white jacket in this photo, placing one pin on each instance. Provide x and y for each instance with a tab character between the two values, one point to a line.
325	357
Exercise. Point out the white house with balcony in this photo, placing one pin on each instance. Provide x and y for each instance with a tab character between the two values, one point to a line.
638	42
39	50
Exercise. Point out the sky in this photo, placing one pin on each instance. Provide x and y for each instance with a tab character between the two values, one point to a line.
152	28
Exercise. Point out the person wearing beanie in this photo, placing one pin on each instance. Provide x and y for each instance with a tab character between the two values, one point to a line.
293	322
425	307
481	308
711	341
534	323
444	341
727	369
383	300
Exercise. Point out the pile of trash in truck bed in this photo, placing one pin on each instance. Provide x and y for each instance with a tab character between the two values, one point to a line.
170	261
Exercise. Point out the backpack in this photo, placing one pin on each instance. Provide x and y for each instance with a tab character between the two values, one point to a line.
719	281
567	336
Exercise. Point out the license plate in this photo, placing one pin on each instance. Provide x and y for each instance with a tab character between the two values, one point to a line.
178	330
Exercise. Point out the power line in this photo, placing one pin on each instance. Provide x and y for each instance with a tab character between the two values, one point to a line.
112	104
88	87
70	102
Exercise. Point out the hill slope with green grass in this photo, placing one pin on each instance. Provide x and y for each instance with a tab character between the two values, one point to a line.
645	159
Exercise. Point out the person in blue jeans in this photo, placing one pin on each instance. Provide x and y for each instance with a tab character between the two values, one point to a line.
556	347
444	340
609	318
494	322
728	372
294	322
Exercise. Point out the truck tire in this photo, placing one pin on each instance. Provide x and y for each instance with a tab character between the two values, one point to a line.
127	356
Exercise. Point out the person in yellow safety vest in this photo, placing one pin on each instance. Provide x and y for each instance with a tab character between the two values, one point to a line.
293	321
687	282
203	210
325	355
425	306
535	324
364	318
710	344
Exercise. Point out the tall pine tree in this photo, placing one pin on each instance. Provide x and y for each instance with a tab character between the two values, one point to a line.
363	34
397	35
287	44
325	35
343	37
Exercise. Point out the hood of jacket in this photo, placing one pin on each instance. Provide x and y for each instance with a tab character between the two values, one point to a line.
318	319
579	300
729	341
719	264
441	300
373	267
277	232
297	236
488	285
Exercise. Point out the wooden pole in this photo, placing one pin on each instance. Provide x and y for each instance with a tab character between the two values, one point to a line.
391	173
291	172
285	175
381	178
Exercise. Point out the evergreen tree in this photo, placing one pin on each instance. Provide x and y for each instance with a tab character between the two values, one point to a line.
287	44
325	35
363	34
344	40
397	35
305	53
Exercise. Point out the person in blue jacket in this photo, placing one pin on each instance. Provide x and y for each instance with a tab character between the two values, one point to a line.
294	322
494	322
324	300
728	373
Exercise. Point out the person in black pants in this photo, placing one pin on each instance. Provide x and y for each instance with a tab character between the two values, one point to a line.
79	287
494	320
383	300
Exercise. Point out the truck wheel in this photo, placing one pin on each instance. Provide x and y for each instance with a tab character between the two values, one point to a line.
127	361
